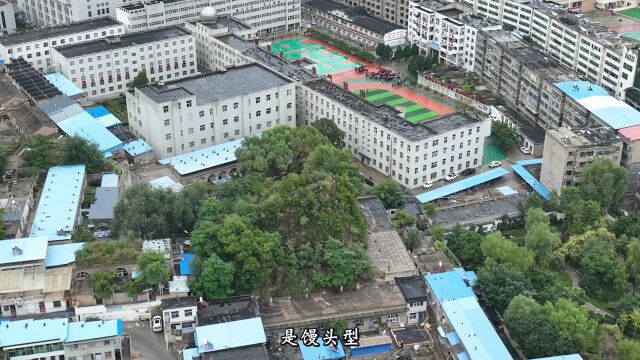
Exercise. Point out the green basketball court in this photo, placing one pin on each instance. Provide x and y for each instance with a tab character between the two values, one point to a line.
491	152
326	61
413	112
632	13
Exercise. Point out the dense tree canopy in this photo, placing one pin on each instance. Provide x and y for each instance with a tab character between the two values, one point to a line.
466	244
498	285
601	272
605	182
499	250
390	193
329	129
77	150
102	282
505	136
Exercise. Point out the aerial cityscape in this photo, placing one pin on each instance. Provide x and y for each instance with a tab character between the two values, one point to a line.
319	179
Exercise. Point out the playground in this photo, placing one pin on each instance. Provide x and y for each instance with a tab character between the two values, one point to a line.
632	13
377	82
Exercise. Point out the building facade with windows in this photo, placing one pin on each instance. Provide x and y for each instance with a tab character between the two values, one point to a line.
61	12
353	24
105	67
438	28
35	46
393	11
380	137
148	15
568	151
7	17
198	112
593	51
179	314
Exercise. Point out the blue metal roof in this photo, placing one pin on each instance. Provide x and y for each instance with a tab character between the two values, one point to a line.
469	276
109	180
58	204
230	335
530	162
463	356
87	127
597	100
480	339
321	352
531	180
33	248
189	354
204	158
165	182
185	264
448	285
31	331
137	147
108	120
462	185
63	84
98	111
506	190
88	330
453	338
62	254
562	357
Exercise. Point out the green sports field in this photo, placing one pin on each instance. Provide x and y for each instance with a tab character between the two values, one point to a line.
413	112
633	13
326	61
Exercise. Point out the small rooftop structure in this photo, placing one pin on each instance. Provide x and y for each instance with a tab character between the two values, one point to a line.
230	335
118	42
179	284
179	302
165	182
463	184
229	309
204	159
50	32
93	330
213	86
631	133
57	210
161	245
29	331
137	147
448	286
89	128
63	84
23	250
412	288
31	81
613	112
64	254
321	351
103	207
109	180
185	263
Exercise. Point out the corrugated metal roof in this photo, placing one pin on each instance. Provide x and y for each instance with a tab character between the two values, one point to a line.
62	254
448	285
204	158
462	185
30	249
230	335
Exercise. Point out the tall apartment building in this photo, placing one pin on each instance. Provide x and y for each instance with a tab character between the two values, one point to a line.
104	67
148	15
212	53
353	24
567	152
394	11
60	12
517	71
380	137
267	17
593	51
441	29
35	46
7	18
198	112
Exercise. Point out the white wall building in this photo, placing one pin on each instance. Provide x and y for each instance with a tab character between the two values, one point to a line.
7	18
593	51
60	12
179	314
147	15
35	46
212	53
353	24
104	67
448	33
210	109
378	136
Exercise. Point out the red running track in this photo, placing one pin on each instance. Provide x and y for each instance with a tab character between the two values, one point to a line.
406	93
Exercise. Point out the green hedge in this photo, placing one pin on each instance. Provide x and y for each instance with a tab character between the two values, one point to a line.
342	45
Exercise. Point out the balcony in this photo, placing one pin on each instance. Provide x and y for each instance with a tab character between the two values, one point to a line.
41	349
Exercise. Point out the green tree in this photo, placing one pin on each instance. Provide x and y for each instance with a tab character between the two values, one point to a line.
398	54
630	322
152	269
143	211
102	283
466	245
140	80
387	53
414	50
601	273
437	231
406	52
402	219
633	262
536	216
430	209
605	182
412	239
505	136
329	129
83	236
574	326
580	214
529	326
628	349
498	285
390	193
345	264
40	150
542	242
380	49
215	279
498	250
77	150
628	225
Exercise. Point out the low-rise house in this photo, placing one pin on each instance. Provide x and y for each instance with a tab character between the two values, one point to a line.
415	295
241	339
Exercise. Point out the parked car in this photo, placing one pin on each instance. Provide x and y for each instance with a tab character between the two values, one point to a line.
495	164
451	176
468	171
427	185
156	324
525	150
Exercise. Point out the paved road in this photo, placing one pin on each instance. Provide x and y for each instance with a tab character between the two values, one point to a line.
150	345
575	282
